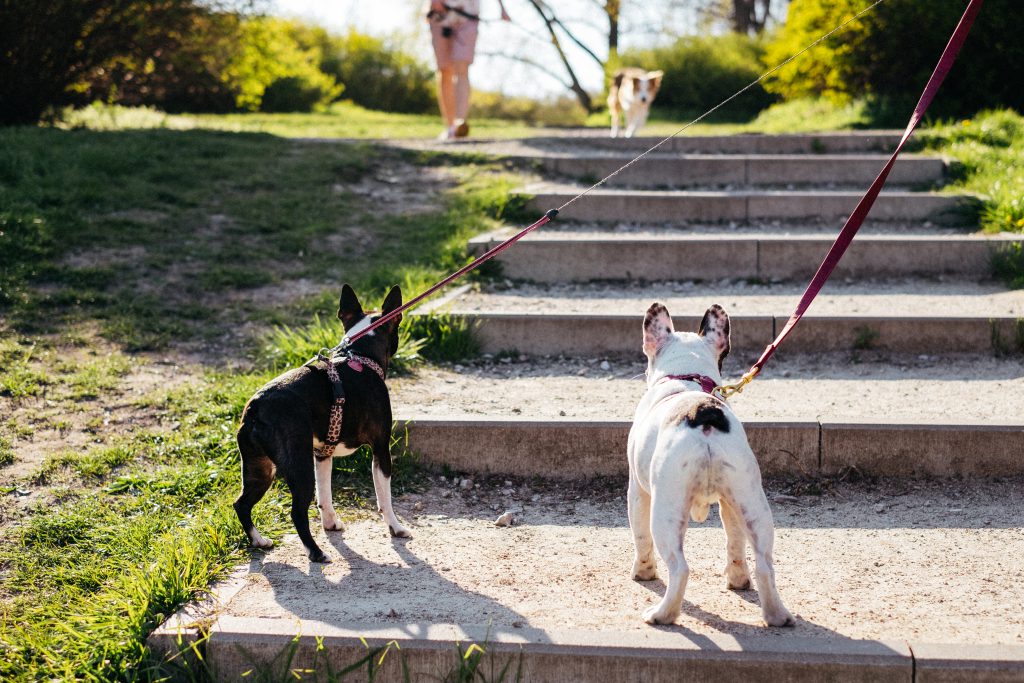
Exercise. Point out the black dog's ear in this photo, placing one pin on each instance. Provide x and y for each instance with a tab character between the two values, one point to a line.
715	329
392	301
349	310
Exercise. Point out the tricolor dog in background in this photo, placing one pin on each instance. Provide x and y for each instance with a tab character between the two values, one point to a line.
686	451
299	421
631	95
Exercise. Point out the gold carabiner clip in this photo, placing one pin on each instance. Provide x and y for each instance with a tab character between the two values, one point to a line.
726	390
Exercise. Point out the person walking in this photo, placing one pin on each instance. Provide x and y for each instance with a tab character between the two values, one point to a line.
453	31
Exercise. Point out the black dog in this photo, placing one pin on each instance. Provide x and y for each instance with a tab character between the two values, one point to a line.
287	426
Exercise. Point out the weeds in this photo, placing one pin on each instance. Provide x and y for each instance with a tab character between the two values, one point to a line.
1008	265
865	338
445	337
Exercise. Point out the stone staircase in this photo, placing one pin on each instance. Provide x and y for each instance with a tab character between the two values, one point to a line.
909	364
745	221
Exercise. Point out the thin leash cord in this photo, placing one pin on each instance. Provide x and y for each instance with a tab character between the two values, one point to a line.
550	215
719	105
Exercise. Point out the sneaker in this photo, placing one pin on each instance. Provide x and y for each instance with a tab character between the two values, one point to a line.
462	129
446	134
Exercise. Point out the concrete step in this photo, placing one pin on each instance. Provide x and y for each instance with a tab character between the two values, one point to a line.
847	142
589	448
875	575
654	206
745	170
564	256
911	316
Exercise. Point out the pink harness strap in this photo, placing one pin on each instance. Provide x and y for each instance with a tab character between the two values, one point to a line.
338	407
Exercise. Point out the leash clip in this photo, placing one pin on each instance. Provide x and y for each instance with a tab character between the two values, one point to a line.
727	390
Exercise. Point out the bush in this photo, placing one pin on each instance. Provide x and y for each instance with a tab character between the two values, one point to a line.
701	71
889	53
269	54
564	111
378	75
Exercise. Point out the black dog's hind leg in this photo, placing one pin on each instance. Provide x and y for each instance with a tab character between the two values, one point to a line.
257	476
303	486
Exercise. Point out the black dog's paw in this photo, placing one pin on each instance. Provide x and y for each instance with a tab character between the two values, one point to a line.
318	555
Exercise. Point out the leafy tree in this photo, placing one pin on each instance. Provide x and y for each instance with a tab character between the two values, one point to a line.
269	61
889	53
47	48
376	74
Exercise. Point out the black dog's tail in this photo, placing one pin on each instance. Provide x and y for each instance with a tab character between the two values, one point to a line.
707	413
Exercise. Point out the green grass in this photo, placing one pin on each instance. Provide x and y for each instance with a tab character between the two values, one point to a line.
1008	265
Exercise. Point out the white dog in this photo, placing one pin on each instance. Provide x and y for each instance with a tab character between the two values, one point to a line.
631	94
686	451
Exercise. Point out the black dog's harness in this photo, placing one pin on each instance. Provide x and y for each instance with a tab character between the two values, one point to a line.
338	407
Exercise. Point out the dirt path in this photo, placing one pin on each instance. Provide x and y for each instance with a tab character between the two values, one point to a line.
931	562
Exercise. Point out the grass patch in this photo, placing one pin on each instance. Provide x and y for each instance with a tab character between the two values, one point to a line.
6	452
445	337
1008	265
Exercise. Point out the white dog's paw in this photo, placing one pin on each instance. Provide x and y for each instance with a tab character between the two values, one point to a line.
780	617
644	571
737	577
260	541
399	531
657	615
332	523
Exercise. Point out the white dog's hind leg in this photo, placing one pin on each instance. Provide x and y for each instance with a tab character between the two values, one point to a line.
669	531
638	506
758	518
328	517
736	572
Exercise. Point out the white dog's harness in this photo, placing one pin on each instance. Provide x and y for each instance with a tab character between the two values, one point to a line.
338	407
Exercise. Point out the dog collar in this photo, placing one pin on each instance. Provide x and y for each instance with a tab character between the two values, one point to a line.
707	385
356	363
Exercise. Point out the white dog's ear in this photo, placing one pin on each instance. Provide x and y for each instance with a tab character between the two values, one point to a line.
655	77
715	329
657	328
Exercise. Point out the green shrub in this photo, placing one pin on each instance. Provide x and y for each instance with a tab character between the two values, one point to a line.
564	111
378	74
701	71
269	54
889	53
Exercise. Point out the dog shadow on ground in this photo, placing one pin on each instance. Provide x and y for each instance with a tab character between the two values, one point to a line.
741	630
397	590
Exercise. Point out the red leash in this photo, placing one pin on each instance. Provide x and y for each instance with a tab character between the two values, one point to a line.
853	224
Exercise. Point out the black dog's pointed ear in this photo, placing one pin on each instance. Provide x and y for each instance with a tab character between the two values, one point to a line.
392	301
349	310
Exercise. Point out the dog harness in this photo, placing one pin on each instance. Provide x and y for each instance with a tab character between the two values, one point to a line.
338	407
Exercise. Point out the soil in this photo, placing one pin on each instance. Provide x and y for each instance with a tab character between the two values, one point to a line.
922	561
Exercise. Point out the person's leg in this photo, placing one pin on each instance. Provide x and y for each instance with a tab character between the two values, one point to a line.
445	80
460	72
446	95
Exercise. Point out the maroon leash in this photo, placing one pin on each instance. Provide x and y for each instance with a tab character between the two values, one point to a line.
853	224
472	265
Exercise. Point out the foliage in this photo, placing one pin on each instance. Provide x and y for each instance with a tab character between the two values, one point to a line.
271	71
889	53
989	151
378	74
701	71
563	111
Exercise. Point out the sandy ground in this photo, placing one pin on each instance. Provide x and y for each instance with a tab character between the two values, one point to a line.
924	561
826	387
909	297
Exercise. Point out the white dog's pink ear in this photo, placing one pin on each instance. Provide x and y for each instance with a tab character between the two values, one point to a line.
657	328
715	330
